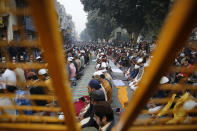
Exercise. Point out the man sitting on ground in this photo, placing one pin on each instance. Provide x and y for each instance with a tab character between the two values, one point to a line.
107	87
103	114
92	86
95	97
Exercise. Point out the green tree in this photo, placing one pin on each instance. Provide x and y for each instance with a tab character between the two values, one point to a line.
84	35
99	26
134	15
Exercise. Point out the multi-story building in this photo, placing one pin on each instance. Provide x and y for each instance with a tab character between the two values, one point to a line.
66	25
8	21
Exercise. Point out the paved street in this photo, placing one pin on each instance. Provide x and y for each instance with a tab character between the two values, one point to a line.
116	102
81	88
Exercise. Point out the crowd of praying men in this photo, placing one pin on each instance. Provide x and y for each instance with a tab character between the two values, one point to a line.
95	111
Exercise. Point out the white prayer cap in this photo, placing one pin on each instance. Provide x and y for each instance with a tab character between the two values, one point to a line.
21	57
82	51
42	71
97	73
102	53
139	60
70	58
164	80
38	57
190	104
61	117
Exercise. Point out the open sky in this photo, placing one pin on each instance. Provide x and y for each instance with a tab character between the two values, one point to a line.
75	8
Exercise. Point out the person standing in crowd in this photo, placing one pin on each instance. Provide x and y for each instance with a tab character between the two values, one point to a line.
78	62
124	61
22	91
86	57
82	60
139	67
42	73
9	77
6	76
20	75
72	70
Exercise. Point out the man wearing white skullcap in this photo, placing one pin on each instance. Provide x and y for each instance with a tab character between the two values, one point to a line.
97	74
70	59
164	80
43	75
161	93
107	76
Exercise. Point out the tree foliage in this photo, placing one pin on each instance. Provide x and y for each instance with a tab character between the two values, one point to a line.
84	36
99	26
134	15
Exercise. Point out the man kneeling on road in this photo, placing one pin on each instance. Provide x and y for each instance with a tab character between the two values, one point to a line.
95	97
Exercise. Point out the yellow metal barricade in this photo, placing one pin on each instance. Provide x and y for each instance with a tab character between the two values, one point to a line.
48	41
173	37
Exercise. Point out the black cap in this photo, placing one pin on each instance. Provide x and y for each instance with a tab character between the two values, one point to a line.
98	95
94	84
